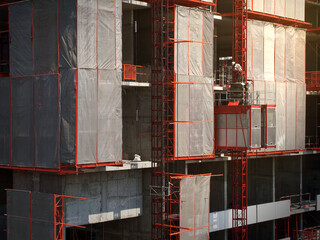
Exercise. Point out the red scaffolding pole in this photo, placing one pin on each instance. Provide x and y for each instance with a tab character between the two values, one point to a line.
239	48
160	118
162	109
239	194
239	157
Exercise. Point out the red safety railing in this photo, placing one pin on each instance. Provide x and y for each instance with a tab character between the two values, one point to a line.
130	72
312	233
298	201
313	80
312	142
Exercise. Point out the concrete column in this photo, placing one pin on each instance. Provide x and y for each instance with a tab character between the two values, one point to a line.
225	184
225	192
128	27
274	193
301	190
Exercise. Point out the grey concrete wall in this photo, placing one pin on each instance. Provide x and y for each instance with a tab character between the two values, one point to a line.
311	116
110	195
217	191
261	231
260	189
311	176
138	228
127	36
136	123
143	37
287	176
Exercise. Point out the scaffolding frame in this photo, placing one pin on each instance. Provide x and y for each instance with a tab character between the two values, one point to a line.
175	230
239	157
162	110
57	222
312	233
239	194
62	168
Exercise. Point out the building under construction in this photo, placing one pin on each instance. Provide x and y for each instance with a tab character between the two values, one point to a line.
159	119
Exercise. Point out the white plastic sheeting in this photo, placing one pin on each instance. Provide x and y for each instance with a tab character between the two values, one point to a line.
284	8
194	207
193	65
276	65
99	82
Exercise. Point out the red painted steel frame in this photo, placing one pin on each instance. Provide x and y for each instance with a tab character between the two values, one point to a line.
313	80
160	117
175	229
239	195
277	19
130	72
312	233
63	168
162	108
239	48
59	216
239	157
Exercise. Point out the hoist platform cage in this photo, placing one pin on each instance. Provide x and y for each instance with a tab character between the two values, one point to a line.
238	127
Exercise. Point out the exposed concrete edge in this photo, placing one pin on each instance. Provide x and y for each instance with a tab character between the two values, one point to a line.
111	216
137	3
256	214
127	165
136	84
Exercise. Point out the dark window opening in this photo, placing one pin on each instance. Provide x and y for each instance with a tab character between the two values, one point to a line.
4	42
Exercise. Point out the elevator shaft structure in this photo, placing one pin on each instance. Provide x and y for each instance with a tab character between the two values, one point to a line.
161	116
239	157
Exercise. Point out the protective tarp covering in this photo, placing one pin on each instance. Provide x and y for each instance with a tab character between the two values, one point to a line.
193	65
280	51
46	98
99	82
20	22
18	215
42	213
99	120
22	121
301	116
4	121
87	115
28	211
110	116
67	34
300	57
291	118
87	33
284	8
45	36
68	115
281	115
194	207
81	41
283	69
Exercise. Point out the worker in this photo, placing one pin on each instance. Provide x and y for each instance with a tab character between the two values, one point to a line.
237	69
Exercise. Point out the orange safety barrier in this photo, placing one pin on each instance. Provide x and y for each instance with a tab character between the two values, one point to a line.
129	72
